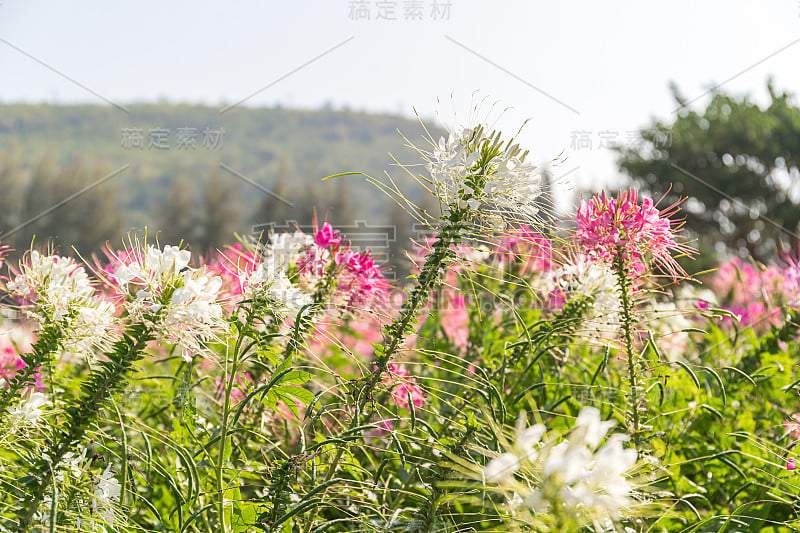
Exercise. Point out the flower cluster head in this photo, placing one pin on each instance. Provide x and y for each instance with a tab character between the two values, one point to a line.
592	283
55	288
476	171
160	288
621	227
351	278
285	250
271	284
29	410
575	478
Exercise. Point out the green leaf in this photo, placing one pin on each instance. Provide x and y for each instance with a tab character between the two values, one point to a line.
690	372
244	516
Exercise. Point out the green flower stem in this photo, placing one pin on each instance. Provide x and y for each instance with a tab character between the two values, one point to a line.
624	285
394	333
96	390
223	435
41	354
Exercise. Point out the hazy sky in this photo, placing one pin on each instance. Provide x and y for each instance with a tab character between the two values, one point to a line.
599	68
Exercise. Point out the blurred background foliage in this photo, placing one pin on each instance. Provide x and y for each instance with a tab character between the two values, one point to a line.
735	162
739	165
259	166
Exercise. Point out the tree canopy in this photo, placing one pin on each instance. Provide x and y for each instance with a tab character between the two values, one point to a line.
736	163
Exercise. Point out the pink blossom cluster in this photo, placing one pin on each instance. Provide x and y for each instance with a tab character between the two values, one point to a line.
609	227
11	362
527	245
753	293
358	281
232	266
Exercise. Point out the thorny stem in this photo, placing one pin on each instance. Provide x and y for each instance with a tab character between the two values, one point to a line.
624	284
81	415
431	272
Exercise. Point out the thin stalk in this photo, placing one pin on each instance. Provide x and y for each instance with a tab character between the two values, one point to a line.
624	285
225	413
396	332
80	415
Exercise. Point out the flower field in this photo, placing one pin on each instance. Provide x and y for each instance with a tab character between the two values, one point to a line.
534	373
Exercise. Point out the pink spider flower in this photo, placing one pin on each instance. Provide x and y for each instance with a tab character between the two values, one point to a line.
527	245
327	237
609	227
232	266
358	281
751	292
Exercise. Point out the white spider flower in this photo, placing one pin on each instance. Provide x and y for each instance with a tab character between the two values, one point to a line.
106	493
29	410
596	282
60	290
285	249
574	477
178	302
51	280
270	282
471	170
89	328
501	468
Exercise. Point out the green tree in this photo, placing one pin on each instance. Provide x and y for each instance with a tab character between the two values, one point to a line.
276	208
221	212
176	216
13	180
738	164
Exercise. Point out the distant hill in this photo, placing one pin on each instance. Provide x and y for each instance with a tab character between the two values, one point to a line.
181	157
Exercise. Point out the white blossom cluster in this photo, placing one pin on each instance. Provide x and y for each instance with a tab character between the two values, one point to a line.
512	183
105	492
29	410
272	283
161	288
573	478
60	290
284	249
597	282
